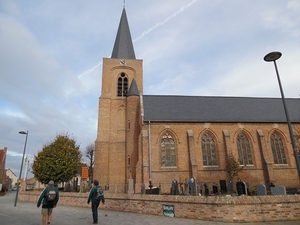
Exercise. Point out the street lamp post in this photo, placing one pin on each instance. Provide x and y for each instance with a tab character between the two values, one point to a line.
272	57
18	185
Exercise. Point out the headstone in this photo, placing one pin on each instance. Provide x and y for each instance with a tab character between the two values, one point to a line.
247	189
261	189
192	186
215	189
223	186
230	186
278	190
67	187
190	182
181	189
241	188
206	190
186	189
174	188
130	186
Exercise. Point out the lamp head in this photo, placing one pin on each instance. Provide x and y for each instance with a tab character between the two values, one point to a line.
272	56
22	132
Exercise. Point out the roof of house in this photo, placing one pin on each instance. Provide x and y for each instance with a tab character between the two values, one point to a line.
167	108
123	47
11	172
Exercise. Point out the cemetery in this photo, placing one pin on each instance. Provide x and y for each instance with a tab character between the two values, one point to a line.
193	188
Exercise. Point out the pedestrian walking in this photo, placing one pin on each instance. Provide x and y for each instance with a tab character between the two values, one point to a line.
48	198
95	196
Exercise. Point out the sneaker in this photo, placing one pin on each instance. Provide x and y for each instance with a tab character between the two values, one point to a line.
95	222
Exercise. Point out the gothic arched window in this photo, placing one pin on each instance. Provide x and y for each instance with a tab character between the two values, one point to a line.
168	154
209	150
122	85
278	149
245	157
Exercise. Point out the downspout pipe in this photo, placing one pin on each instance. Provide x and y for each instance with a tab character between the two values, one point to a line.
149	141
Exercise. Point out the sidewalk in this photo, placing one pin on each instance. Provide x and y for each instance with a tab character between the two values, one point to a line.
28	214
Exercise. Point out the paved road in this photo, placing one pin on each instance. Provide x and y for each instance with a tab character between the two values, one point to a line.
26	213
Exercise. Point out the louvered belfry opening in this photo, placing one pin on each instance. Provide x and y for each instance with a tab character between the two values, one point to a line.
122	85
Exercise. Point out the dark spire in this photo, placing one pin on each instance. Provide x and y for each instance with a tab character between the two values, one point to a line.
123	47
133	90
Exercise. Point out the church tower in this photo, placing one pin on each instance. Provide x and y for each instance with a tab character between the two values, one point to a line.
122	83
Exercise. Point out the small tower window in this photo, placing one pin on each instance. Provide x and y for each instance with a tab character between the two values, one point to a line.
122	85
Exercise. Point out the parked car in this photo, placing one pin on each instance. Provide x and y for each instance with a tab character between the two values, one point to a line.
14	188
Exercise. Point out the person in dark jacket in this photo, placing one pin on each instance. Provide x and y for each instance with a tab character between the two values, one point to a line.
47	204
95	202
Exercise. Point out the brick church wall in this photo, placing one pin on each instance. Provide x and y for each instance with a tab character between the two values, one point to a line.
285	175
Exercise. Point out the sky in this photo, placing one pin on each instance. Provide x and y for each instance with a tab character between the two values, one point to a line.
51	56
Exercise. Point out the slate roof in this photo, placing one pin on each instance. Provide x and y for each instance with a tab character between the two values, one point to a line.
166	108
133	90
123	47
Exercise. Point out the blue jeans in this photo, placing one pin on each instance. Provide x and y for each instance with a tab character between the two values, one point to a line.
95	205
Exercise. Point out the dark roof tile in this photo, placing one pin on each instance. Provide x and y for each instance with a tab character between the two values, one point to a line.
123	47
218	109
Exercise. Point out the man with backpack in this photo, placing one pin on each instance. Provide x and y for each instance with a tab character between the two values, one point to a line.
48	198
95	196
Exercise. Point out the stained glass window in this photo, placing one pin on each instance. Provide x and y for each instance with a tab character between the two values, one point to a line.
208	150
278	149
168	154
245	157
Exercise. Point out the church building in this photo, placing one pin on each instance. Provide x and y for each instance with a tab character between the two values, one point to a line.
162	138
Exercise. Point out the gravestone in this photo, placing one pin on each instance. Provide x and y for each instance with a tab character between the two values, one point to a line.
278	190
200	189
215	189
241	188
230	186
223	186
261	189
206	190
174	188
192	186
181	188
186	188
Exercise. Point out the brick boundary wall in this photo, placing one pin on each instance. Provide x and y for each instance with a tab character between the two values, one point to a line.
211	208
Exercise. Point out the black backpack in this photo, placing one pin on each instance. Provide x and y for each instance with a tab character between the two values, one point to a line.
99	192
51	194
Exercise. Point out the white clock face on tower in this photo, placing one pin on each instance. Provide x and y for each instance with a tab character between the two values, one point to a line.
122	62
